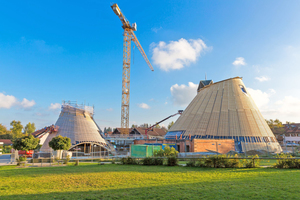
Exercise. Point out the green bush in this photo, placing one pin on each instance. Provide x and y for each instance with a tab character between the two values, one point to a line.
224	161
158	161
287	162
67	159
129	161
153	161
172	161
191	163
166	152
21	159
147	161
251	163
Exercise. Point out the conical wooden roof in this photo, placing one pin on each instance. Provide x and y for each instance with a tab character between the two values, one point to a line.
225	110
78	124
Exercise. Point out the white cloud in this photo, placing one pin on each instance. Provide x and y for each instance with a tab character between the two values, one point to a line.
144	106
239	61
261	98
182	95
287	109
110	109
41	46
262	78
177	54
8	101
27	104
155	30
54	106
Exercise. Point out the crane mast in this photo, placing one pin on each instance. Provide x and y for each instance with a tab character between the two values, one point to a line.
128	36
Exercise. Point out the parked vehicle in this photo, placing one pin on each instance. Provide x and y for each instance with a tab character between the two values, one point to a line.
28	154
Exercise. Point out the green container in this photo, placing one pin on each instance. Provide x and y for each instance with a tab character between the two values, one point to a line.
142	151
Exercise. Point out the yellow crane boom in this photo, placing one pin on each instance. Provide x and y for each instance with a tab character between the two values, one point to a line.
128	37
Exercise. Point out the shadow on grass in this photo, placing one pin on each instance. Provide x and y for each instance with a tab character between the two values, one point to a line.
250	188
10	171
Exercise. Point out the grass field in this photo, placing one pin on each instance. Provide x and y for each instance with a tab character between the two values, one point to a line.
92	181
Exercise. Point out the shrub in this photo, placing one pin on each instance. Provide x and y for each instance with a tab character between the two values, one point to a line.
251	163
67	159
158	161
166	152
147	161
287	162
129	161
159	153
152	161
21	159
218	161
172	161
191	163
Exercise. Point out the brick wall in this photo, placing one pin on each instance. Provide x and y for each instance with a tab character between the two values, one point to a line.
221	146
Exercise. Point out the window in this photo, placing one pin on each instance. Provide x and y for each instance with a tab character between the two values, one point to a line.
243	89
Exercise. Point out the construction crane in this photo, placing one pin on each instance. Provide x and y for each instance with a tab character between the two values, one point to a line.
128	37
151	127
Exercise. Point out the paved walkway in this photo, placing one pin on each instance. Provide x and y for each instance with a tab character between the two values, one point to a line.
5	159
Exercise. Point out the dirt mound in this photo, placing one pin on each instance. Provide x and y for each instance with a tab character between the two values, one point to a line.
256	152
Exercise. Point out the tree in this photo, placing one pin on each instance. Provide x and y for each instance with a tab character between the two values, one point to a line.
60	143
105	131
166	152
4	133
108	129
157	126
29	128
16	129
170	125
276	126
26	143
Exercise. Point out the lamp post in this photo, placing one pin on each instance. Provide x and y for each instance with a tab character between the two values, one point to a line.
268	148
246	149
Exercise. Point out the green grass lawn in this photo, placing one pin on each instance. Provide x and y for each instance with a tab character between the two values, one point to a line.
92	181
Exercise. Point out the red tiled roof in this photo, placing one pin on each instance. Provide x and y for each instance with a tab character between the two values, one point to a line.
6	141
155	132
119	130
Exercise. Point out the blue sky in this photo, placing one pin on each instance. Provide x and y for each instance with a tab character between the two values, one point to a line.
54	50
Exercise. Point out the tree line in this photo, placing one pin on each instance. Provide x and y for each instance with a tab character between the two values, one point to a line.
17	130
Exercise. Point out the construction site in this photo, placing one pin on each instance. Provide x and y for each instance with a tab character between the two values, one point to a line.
222	118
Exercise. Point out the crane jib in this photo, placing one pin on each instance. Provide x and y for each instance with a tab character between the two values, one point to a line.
128	37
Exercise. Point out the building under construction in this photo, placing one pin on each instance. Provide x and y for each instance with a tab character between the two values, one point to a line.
225	110
77	123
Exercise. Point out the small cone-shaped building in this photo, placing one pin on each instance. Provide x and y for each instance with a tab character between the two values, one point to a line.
225	110
76	122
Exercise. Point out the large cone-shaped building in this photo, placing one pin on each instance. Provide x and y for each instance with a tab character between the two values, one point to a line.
76	122
225	110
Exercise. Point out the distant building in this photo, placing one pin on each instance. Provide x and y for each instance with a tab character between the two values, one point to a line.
122	142
6	141
77	123
289	134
